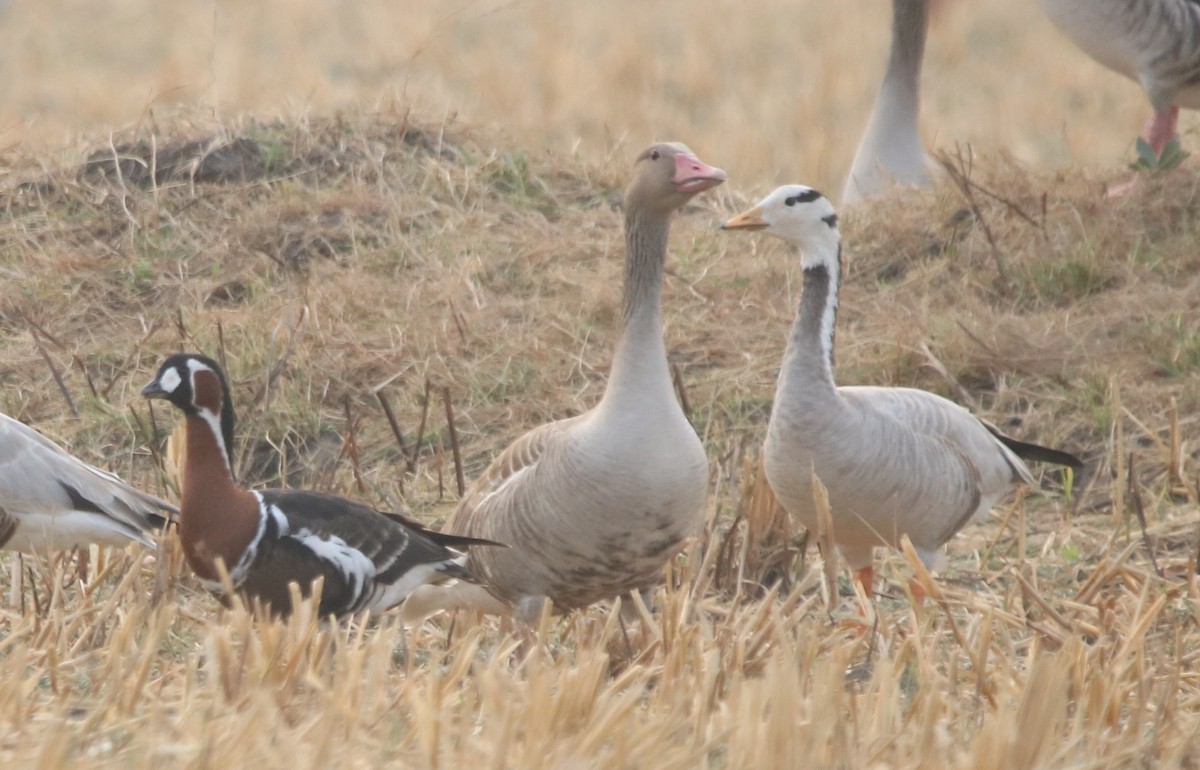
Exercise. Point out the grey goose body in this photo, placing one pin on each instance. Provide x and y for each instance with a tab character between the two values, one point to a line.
51	500
593	506
1155	43
895	461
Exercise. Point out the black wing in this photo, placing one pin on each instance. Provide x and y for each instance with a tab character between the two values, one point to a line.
394	545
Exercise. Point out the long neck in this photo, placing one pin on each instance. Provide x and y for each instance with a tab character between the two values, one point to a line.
891	149
902	82
909	23
807	372
640	363
216	517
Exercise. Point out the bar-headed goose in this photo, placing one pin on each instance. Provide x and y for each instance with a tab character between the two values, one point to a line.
268	539
890	151
51	500
895	461
594	506
1153	42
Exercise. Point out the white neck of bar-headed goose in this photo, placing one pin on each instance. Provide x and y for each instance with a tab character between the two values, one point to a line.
806	219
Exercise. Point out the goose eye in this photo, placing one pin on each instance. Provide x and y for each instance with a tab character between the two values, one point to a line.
654	155
791	201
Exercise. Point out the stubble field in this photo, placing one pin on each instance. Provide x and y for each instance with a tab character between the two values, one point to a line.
420	202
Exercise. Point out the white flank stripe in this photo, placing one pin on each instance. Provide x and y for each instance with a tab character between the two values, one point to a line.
354	565
385	565
397	592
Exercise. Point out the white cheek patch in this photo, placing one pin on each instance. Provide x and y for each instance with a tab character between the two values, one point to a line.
170	380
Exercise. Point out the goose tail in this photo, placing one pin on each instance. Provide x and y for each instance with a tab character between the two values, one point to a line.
1036	452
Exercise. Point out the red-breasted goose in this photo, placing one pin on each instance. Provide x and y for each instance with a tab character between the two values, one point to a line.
594	506
270	538
51	500
895	461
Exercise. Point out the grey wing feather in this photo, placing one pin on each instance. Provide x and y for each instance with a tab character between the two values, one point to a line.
39	476
484	499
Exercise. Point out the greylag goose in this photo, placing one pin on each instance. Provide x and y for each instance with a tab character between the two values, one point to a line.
594	506
50	500
267	539
890	151
895	461
1153	42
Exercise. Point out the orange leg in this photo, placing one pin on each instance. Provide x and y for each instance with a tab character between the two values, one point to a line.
866	578
916	591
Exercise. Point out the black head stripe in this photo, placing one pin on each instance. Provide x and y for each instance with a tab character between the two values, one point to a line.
808	196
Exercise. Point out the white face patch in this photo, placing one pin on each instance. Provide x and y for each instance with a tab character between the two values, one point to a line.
170	380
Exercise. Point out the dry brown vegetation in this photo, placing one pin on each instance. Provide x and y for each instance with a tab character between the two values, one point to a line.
329	261
782	88
392	253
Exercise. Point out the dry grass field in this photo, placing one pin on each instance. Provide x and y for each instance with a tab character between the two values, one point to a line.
781	88
416	203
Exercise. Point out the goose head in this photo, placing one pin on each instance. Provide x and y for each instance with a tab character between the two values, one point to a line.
197	386
798	215
667	175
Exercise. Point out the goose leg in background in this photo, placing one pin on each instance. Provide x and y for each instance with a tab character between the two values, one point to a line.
1161	128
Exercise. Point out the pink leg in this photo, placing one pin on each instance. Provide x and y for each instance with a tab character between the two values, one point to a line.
1161	128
